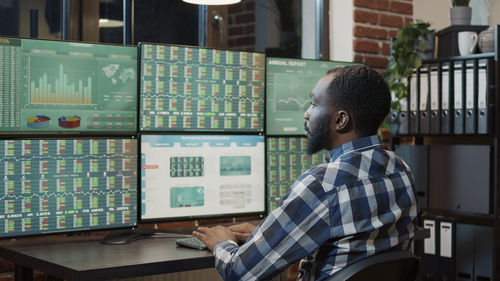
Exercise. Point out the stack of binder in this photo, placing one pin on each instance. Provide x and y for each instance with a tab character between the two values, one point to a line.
439	251
449	97
456	251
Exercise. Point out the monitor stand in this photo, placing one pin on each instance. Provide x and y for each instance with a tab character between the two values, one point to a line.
131	235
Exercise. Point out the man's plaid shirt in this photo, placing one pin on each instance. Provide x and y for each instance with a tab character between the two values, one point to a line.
359	203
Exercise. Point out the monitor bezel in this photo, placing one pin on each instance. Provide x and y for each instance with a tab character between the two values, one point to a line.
262	213
194	130
79	133
134	225
266	88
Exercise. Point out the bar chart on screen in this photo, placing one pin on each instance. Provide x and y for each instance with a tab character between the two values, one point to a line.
61	90
67	86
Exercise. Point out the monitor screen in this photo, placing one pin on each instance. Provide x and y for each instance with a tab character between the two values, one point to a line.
58	86
286	161
185	88
288	85
61	185
191	176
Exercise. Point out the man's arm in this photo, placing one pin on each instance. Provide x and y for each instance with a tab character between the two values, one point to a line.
295	229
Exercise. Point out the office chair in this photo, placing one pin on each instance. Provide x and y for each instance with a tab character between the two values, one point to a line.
386	266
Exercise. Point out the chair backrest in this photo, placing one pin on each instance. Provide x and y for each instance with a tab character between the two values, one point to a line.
386	266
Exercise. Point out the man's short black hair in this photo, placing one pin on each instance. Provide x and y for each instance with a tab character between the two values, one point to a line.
363	93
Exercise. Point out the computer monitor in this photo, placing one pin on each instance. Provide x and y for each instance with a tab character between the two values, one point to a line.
288	85
57	86
199	176
286	161
198	89
65	185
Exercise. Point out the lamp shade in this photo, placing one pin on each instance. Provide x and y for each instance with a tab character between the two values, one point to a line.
110	23
212	2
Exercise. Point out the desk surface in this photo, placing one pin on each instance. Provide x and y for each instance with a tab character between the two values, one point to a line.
84	258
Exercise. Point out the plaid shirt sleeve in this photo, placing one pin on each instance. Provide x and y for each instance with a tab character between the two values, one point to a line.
295	229
360	203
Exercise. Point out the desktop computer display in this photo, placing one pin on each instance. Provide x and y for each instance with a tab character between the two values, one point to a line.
198	89
56	86
286	161
62	185
193	176
288	86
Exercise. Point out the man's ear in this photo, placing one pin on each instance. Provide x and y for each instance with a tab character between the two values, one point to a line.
342	121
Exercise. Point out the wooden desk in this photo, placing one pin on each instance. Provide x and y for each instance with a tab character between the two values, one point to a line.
84	258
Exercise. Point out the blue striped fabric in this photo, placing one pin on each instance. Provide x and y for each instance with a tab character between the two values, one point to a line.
359	203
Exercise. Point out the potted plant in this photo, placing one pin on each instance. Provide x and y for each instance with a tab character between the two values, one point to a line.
460	12
414	42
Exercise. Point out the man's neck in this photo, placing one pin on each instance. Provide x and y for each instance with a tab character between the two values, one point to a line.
340	139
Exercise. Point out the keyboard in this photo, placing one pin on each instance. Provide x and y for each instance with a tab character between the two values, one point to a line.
191	242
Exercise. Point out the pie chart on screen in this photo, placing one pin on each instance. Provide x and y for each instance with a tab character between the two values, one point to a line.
38	121
69	122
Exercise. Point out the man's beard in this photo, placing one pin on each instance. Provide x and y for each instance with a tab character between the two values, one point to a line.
318	139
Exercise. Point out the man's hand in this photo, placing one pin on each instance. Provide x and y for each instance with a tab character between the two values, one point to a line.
213	235
242	231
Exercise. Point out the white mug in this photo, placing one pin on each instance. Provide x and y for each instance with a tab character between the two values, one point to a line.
467	42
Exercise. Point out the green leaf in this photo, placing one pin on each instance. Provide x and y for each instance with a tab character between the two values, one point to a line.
404	57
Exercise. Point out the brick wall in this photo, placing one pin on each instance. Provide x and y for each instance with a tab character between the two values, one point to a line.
241	26
375	22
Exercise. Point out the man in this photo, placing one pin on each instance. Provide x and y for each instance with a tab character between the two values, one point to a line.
360	203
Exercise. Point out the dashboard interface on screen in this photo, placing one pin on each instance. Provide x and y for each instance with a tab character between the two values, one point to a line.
288	86
61	185
201	175
66	86
184	88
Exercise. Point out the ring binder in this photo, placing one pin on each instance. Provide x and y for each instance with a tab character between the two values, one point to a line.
434	100
424	109
446	102
470	97
458	81
413	97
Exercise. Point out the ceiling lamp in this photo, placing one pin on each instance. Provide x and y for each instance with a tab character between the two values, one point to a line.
110	23
212	2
